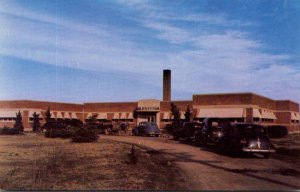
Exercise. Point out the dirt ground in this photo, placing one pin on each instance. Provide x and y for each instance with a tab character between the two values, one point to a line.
288	149
33	162
208	170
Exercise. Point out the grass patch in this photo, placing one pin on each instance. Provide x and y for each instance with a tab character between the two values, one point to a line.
33	162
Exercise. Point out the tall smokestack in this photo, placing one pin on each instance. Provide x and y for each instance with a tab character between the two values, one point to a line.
167	85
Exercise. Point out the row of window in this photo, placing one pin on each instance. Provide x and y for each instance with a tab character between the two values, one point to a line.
295	121
7	119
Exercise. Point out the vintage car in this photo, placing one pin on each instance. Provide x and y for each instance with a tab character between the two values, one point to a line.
251	138
214	131
189	131
236	137
146	129
116	128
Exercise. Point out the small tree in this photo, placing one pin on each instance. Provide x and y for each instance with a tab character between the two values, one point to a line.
85	135
48	115
176	115
36	122
19	124
92	120
188	114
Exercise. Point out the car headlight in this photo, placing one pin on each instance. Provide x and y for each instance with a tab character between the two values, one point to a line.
252	145
219	134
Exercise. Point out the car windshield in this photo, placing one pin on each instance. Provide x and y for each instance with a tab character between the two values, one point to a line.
251	130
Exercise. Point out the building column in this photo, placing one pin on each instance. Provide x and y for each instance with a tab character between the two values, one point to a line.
249	115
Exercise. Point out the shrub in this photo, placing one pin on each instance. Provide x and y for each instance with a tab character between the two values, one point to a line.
188	114
176	121
48	115
19	124
60	132
9	131
36	122
133	155
85	135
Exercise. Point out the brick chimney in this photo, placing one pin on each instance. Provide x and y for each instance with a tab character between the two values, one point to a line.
167	85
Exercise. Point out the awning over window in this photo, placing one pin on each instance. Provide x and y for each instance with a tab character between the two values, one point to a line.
298	116
67	115
256	113
116	116
268	114
102	116
221	112
130	116
53	115
295	116
8	114
30	114
59	115
166	115
73	115
89	115
123	116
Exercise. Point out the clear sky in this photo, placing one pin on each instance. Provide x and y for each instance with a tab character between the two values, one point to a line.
97	51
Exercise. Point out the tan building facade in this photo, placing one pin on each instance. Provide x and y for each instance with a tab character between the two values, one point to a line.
238	107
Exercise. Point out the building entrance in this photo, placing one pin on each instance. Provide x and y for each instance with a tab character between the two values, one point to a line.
148	110
146	116
152	119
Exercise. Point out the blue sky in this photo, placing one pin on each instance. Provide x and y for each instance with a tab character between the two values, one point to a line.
98	51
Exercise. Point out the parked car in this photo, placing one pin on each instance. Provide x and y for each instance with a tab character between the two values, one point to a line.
146	129
189	131
251	138
236	137
117	128
214	131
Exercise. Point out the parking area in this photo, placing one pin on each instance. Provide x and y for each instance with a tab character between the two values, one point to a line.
206	169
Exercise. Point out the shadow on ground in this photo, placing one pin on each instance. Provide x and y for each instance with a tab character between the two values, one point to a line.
186	157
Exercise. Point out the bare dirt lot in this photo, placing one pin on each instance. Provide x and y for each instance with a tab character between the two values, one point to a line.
33	162
208	170
288	149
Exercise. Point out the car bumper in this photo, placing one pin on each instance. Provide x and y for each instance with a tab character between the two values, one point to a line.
259	150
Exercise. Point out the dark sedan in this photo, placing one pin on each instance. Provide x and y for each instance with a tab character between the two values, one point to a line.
146	129
251	138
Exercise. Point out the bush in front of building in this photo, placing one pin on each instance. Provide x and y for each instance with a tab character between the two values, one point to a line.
19	123
59	129
188	114
48	115
9	131
36	122
59	133
85	135
176	123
